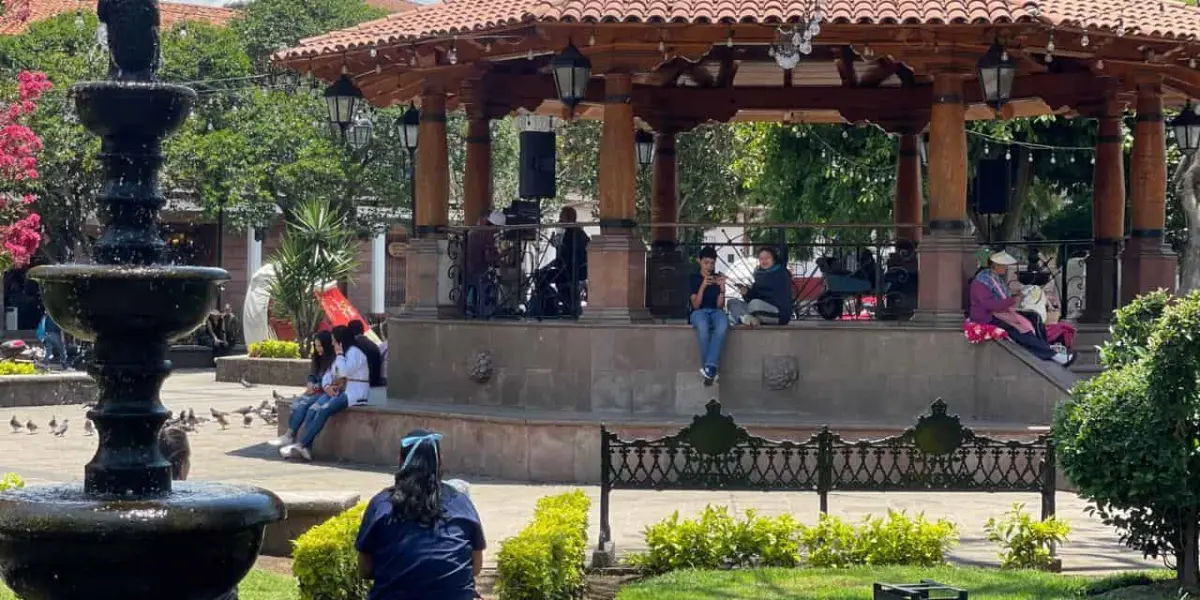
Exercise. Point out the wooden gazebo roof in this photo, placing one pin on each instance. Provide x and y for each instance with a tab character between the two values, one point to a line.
709	58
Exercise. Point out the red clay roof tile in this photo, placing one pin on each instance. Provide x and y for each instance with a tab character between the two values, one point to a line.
1165	18
21	13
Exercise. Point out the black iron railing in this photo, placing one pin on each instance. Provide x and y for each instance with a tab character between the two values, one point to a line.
1059	266
514	272
936	454
851	272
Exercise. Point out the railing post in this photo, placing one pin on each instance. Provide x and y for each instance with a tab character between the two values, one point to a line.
824	467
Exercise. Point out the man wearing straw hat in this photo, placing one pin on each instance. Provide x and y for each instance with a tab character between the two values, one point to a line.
992	304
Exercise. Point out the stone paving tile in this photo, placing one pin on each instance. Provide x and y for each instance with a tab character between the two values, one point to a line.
240	455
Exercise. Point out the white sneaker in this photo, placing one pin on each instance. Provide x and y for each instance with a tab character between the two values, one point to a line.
288	451
750	321
304	453
281	441
1061	358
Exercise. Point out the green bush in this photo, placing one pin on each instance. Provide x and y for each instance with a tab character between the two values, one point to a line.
899	539
546	560
1127	438
12	367
325	562
275	349
11	481
717	539
1026	542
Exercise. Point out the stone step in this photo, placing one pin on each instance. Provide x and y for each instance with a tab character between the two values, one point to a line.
1086	357
1086	371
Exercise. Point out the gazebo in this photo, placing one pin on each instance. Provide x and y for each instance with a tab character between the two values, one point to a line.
911	68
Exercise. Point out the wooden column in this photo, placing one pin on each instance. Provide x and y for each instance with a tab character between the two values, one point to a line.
1108	216
946	252
617	258
425	255
477	178
908	203
1148	263
664	205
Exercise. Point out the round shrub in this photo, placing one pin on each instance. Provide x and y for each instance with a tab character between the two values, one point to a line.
274	349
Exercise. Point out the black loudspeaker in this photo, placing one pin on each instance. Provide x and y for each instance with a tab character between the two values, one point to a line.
537	165
992	185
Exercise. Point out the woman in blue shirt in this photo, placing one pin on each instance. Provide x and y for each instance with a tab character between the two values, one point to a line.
420	539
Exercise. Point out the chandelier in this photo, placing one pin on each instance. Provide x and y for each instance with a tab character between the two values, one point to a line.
793	41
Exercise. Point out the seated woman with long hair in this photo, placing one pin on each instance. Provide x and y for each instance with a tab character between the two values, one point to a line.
420	539
320	376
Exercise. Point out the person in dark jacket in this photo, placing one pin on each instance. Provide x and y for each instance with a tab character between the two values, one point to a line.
769	300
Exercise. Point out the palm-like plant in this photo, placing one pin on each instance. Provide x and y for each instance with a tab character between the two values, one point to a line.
316	249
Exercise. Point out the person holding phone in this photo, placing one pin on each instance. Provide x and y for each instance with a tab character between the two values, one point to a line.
708	313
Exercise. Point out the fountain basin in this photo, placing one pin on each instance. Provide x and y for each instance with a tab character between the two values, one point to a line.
132	109
195	543
130	302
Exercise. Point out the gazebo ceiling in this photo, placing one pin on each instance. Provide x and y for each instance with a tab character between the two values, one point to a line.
871	60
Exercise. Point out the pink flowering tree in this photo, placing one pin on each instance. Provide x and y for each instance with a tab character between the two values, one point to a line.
20	227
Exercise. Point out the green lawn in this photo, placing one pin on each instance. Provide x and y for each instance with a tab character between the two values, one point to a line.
258	585
855	584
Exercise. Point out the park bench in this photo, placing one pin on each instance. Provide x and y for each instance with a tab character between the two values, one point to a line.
714	453
305	510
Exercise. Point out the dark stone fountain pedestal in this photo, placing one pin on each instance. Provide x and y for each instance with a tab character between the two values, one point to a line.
128	533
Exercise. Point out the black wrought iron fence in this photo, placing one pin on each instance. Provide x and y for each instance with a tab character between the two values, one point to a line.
937	454
1058	266
514	272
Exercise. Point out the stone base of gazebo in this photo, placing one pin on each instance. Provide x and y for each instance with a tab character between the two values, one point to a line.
525	400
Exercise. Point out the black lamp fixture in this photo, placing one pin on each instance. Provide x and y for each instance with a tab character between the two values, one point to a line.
343	99
572	71
997	70
408	126
358	135
1187	129
643	142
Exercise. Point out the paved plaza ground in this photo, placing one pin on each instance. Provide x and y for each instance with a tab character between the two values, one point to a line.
241	455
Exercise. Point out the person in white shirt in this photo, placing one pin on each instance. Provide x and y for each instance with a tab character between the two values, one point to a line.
350	385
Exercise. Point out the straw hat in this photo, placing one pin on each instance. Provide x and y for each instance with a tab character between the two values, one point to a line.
1003	259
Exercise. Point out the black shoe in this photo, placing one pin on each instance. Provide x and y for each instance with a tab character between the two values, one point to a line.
710	376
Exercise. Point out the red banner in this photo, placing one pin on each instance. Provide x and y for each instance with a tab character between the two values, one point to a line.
339	311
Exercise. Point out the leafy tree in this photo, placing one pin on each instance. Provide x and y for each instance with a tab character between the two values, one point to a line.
1128	437
268	26
317	248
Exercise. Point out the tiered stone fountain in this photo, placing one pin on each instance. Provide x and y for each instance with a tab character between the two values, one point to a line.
127	533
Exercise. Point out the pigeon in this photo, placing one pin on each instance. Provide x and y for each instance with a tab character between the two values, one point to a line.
62	428
16	425
191	418
216	413
247	419
246	384
53	423
276	395
31	426
220	417
245	410
88	428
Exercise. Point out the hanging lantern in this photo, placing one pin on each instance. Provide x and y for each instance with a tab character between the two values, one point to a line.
572	71
997	70
643	142
343	99
358	135
409	127
1187	129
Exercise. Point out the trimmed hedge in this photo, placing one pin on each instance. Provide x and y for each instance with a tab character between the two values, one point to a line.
325	562
11	481
546	561
274	349
12	367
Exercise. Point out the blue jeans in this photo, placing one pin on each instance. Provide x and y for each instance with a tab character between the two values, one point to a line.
299	411
711	325
55	348
318	413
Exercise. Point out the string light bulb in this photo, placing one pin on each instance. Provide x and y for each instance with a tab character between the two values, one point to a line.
372	52
1192	63
1084	41
592	39
729	39
1007	154
452	55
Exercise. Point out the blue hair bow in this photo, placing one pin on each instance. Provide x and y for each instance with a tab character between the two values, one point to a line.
412	443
